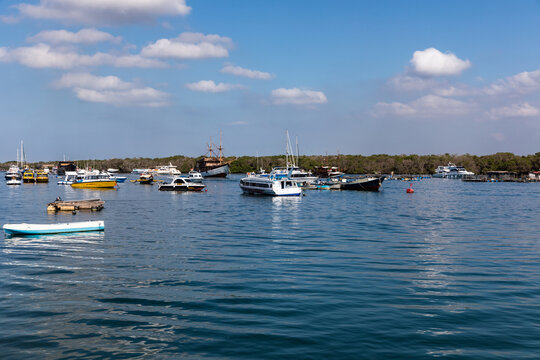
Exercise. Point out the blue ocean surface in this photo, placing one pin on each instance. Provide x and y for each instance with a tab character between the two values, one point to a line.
451	271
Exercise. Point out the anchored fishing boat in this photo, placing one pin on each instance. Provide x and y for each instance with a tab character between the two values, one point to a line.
41	229
181	184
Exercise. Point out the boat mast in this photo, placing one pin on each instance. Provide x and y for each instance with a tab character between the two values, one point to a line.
17	157
297	153
220	147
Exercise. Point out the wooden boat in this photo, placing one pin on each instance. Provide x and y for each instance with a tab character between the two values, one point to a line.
364	184
94	181
74	205
181	184
40	229
212	163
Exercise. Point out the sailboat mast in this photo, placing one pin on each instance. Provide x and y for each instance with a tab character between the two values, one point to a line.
17	157
297	153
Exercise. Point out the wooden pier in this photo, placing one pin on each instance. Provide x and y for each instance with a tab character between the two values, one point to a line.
75	205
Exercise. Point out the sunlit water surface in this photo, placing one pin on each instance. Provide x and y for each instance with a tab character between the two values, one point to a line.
450	271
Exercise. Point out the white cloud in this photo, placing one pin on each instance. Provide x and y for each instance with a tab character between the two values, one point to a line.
298	97
84	36
44	56
89	81
240	71
432	62
189	46
522	83
212	87
111	90
516	110
111	12
426	106
406	83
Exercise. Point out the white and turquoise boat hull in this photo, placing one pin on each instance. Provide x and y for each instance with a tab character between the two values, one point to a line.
44	229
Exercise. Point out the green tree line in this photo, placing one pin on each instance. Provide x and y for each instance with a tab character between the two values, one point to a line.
353	164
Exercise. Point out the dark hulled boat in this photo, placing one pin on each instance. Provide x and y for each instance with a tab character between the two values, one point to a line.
363	184
212	163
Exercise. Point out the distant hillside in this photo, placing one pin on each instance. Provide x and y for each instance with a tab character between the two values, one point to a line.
354	164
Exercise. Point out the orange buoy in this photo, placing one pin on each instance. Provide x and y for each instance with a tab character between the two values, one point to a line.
410	190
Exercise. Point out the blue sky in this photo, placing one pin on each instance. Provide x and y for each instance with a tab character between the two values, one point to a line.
116	78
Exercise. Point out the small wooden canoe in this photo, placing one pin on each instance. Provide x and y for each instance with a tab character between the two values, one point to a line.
40	229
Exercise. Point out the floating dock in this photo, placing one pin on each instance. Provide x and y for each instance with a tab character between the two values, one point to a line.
74	205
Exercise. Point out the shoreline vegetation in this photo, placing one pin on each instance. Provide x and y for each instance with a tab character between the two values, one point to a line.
353	164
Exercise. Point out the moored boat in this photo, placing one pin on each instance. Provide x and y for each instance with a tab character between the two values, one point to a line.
145	179
94	181
181	184
258	185
42	176
28	176
69	178
41	229
212	163
451	171
369	183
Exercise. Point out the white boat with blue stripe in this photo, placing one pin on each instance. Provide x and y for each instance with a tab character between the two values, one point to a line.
270	185
42	229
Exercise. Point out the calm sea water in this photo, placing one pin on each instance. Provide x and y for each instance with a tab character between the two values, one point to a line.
451	271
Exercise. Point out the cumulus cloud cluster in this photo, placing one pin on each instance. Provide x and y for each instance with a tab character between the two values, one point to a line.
429	74
44	56
240	71
84	36
103	12
111	90
68	50
189	46
426	106
432	62
211	87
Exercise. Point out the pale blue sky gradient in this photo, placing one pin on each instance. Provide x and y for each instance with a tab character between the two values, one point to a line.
351	53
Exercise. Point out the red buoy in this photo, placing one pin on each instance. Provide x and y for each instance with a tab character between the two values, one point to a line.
410	190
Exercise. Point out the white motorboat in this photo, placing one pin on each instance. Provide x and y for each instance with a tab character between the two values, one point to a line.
451	171
140	171
13	176
181	184
112	170
14	181
69	178
270	185
167	170
13	171
40	229
195	176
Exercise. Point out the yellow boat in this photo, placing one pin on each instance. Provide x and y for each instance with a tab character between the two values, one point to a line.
28	176
42	177
94	181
